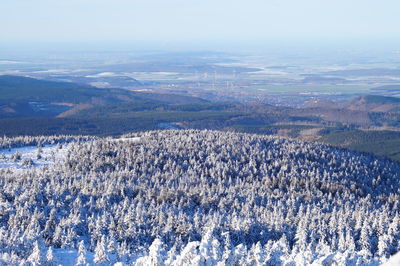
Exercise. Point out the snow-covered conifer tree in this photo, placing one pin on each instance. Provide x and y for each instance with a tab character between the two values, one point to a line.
101	256
156	253
383	246
81	257
36	256
189	255
50	260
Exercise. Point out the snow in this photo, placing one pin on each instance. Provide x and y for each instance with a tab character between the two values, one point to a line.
167	126
134	139
103	181
102	74
9	62
68	257
53	71
100	84
393	261
50	154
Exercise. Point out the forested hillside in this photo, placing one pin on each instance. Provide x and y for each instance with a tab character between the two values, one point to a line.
22	97
197	198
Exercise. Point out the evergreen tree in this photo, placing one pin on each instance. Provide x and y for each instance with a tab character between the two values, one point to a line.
156	253
383	246
101	255
81	258
36	256
50	260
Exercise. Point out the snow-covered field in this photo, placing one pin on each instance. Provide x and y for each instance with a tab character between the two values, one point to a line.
32	156
393	261
133	139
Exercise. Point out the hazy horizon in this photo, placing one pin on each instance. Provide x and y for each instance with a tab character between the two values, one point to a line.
278	46
196	23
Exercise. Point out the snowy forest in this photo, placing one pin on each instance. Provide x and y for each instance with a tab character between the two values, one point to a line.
191	197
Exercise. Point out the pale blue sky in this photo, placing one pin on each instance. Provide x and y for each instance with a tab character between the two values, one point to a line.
196	20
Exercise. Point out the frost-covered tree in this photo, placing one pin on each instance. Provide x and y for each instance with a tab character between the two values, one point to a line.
209	249
36	256
383	246
189	255
50	260
156	255
258	254
100	255
302	202
81	257
171	255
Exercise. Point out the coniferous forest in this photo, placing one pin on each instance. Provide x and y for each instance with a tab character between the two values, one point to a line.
189	197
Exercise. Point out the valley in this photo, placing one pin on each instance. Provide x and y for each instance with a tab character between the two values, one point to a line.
76	109
199	159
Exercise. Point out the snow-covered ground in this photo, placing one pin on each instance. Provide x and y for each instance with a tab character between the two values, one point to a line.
20	158
68	257
393	261
64	257
133	139
31	156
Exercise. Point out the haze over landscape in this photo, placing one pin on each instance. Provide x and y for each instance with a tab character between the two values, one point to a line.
165	23
199	132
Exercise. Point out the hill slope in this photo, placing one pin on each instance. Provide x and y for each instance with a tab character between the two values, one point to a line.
202	197
17	88
28	97
374	103
367	110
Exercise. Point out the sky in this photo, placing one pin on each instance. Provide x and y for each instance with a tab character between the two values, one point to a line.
196	21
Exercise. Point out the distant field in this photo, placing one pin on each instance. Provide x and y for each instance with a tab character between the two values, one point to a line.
314	88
